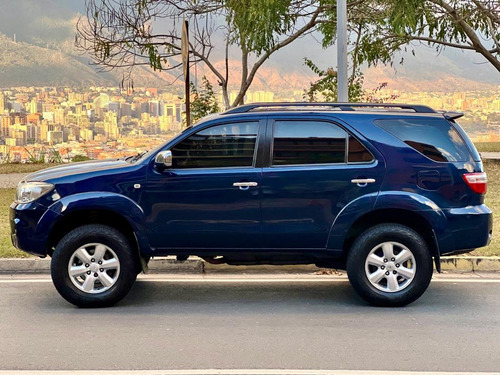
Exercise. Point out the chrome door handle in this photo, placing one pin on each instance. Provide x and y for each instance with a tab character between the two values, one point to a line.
362	182
245	184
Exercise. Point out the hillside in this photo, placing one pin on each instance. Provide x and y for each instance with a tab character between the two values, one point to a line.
26	64
23	64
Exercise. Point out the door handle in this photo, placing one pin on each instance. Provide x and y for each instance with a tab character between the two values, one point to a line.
362	182
245	185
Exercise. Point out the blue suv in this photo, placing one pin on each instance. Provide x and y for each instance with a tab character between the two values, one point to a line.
376	189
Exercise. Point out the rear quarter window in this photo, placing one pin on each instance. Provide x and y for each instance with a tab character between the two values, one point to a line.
432	137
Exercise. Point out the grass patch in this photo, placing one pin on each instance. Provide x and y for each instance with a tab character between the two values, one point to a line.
487	146
7	168
492	167
492	200
6	248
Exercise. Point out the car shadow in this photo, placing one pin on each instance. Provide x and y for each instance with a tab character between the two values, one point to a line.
331	297
279	296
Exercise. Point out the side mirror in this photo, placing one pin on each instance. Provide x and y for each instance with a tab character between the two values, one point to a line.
164	159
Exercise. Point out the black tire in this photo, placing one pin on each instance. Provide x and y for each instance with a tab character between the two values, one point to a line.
397	286
106	286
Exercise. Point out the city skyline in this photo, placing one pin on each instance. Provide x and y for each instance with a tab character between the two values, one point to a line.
106	122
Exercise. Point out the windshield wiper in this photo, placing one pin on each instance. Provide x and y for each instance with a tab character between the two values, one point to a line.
134	158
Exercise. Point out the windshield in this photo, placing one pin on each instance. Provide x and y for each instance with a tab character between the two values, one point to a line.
142	155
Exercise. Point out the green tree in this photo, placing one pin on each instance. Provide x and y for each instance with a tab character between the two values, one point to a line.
324	89
126	33
468	25
79	158
380	28
203	101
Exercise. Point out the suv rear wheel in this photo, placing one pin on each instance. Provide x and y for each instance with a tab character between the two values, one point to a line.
93	266
389	265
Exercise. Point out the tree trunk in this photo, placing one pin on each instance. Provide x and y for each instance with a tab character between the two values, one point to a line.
240	98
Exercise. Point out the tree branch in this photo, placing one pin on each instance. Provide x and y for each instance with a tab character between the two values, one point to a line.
469	31
245	85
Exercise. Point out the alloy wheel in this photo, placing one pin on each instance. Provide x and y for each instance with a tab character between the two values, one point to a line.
390	267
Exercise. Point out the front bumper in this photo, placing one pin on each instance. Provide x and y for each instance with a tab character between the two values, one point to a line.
24	219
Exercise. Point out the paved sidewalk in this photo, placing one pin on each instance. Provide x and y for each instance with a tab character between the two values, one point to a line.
10	180
195	265
490	155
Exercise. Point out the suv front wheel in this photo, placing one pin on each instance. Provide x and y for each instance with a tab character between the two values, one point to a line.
93	266
389	265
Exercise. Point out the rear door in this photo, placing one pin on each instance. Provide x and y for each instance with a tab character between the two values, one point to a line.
316	167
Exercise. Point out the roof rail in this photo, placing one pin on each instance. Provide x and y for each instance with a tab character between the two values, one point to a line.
340	106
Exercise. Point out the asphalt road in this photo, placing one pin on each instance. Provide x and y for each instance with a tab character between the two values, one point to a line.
262	322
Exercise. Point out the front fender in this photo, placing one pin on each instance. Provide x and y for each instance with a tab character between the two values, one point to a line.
106	201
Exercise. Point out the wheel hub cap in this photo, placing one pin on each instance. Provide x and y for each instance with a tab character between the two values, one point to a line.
94	268
390	267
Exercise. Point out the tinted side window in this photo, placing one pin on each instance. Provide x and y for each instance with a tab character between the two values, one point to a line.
435	138
308	142
357	152
228	145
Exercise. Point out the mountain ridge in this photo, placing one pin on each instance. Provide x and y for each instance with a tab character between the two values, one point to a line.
26	64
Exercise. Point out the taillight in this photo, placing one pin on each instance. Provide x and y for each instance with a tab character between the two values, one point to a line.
476	181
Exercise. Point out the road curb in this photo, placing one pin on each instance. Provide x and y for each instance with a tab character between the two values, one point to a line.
470	264
194	265
158	265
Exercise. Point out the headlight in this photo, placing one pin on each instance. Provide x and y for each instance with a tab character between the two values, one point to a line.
29	191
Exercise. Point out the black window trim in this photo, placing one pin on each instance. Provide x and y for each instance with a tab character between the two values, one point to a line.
270	142
258	140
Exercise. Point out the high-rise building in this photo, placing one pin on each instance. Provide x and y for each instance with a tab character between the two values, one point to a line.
111	126
2	103
154	108
35	106
125	109
101	103
44	129
34	118
5	122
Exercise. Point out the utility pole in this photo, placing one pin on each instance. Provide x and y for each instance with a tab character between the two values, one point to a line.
342	88
185	64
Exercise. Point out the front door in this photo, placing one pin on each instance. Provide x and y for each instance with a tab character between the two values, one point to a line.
209	198
316	169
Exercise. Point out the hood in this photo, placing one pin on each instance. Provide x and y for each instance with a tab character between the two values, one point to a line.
76	169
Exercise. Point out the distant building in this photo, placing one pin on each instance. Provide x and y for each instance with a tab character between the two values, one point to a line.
55	137
101	103
2	103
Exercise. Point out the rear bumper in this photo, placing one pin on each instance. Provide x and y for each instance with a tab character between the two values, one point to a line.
468	228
